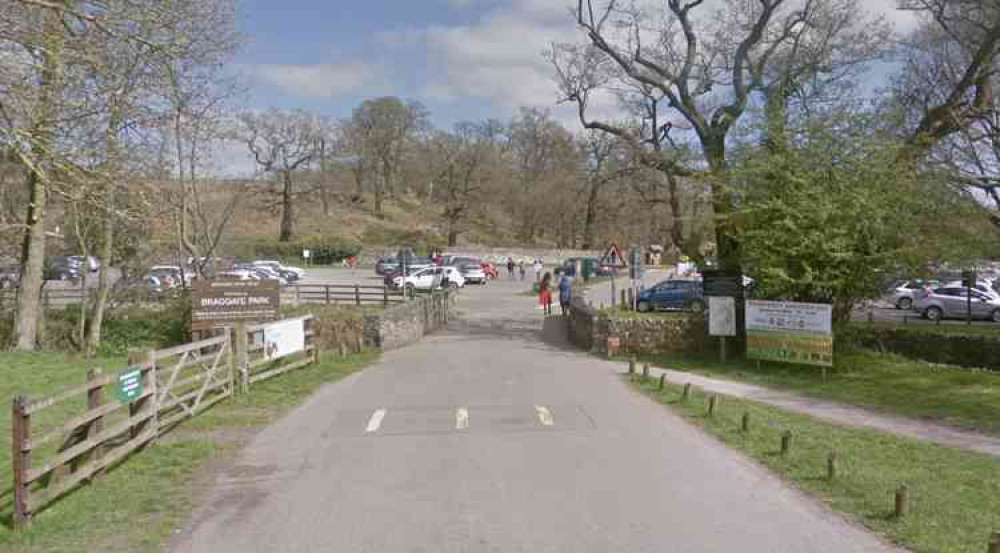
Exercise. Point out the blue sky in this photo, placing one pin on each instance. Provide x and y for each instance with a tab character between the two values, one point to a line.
463	59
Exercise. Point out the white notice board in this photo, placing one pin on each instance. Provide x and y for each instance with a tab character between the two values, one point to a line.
721	316
284	338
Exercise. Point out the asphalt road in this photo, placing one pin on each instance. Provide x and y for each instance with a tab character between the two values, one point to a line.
496	436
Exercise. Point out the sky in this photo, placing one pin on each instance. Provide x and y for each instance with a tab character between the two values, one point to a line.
463	59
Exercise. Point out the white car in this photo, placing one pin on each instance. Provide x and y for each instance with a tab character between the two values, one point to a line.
238	274
279	268
170	275
431	278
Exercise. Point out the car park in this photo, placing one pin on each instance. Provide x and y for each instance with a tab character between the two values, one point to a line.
902	293
263	272
430	278
672	294
591	267
952	302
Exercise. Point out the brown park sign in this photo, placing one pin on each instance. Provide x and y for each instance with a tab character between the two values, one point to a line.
218	303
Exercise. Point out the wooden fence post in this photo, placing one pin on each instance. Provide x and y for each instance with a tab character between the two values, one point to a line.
95	398
21	461
831	466
328	294
357	294
994	545
712	403
901	502
663	377
385	296
645	371
786	442
745	422
631	365
298	294
240	355
686	394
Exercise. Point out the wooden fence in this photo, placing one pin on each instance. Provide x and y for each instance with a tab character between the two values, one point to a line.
70	437
341	294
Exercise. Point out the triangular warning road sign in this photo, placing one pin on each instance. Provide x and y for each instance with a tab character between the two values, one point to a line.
613	257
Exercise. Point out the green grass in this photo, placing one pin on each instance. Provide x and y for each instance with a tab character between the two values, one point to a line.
136	505
890	383
954	495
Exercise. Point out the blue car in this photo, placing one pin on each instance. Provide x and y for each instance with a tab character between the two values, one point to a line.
673	294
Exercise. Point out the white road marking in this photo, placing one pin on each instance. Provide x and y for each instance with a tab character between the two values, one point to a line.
544	416
376	421
461	418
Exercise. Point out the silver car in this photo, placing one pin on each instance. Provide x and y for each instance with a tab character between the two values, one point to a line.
473	273
904	292
951	302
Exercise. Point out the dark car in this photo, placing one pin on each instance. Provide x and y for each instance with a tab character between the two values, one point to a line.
385	265
672	294
591	267
57	268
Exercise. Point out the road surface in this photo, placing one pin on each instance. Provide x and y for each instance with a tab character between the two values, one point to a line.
496	436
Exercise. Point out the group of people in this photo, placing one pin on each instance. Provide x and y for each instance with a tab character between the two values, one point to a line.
520	267
565	292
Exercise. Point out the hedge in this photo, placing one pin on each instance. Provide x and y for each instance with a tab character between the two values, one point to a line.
974	350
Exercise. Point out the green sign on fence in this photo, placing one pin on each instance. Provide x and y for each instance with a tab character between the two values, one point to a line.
128	385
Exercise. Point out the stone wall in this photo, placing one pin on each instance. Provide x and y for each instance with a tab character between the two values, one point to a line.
589	329
406	323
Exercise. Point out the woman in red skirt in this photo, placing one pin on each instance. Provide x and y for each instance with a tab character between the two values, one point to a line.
545	293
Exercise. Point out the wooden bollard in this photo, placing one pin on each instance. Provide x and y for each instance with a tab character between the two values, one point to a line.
901	502
786	442
994	545
745	422
713	401
645	371
663	378
686	394
631	366
831	466
343	349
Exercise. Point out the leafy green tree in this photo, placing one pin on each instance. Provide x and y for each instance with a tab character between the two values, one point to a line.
834	214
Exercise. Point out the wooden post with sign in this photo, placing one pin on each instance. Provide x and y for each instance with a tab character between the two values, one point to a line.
21	462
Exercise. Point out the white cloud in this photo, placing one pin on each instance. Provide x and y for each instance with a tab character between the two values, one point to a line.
321	80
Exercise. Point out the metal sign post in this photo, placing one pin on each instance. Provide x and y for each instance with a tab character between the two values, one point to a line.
613	260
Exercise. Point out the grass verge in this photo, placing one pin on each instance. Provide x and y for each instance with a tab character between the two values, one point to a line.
136	506
954	495
960	397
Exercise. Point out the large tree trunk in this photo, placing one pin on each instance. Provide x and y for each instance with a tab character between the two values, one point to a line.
379	194
29	307
727	247
287	215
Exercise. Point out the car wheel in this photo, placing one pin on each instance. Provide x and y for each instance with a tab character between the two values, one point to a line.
904	304
644	306
933	313
996	316
697	306
453	286
410	289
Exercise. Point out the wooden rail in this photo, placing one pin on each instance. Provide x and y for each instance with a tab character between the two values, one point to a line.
74	435
342	294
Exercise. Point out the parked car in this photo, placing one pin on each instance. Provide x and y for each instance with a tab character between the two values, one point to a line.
285	271
591	267
951	302
91	263
673	294
264	272
10	276
58	268
981	285
171	276
903	292
238	274
473	272
430	278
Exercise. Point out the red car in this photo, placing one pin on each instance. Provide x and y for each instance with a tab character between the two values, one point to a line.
490	270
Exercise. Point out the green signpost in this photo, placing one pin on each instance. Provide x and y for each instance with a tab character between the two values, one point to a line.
128	384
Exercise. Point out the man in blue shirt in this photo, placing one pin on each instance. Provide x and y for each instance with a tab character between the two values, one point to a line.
565	292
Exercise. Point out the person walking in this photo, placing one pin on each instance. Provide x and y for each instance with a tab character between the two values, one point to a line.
510	267
520	267
545	293
565	293
538	270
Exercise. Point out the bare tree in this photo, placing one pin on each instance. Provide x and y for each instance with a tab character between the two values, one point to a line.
705	69
282	143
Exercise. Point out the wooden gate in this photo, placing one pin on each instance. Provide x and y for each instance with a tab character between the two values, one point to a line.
191	378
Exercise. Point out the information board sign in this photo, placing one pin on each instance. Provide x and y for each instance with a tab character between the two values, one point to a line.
721	316
128	385
792	332
284	338
218	303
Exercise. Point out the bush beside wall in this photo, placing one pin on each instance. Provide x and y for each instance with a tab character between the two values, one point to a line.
951	348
